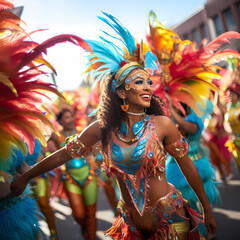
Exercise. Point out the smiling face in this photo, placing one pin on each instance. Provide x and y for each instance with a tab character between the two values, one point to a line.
138	91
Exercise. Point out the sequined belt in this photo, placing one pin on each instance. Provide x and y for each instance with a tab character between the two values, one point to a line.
161	214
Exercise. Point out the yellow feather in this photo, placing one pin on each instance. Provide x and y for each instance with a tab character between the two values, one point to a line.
208	76
43	61
5	80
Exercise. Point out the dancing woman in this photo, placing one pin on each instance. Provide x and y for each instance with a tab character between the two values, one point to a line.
232	116
80	181
135	140
41	190
191	127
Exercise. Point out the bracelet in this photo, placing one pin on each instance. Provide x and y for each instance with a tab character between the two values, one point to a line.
75	147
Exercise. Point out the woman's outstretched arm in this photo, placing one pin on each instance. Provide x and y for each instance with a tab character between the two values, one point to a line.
88	138
190	172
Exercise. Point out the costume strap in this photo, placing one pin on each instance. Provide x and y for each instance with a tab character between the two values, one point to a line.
75	147
178	149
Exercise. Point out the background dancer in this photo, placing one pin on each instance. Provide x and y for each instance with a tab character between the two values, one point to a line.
80	179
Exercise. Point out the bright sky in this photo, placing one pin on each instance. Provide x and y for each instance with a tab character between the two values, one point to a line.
79	17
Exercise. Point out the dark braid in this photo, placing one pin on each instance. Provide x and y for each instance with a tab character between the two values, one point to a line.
110	113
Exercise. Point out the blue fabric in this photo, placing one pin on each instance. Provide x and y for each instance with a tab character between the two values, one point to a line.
200	156
76	163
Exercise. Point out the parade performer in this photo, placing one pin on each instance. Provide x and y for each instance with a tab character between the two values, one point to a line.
18	215
191	127
187	78
40	188
21	120
135	140
22	92
217	137
79	177
232	116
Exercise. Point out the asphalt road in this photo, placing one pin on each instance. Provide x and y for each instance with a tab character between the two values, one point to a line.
227	214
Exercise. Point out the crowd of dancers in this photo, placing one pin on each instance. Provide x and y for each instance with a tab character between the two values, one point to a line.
157	125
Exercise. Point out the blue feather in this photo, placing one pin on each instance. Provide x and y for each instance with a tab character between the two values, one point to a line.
152	62
128	40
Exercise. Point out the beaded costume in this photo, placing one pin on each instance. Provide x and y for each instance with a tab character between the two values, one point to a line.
81	189
80	177
135	166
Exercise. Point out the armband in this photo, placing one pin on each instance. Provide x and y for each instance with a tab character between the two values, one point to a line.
178	149
75	147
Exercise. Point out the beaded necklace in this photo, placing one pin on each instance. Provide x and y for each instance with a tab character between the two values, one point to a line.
138	130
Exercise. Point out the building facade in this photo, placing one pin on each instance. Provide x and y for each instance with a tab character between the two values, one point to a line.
215	18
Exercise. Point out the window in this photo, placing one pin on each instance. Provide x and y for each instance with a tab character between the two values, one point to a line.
229	20
238	7
204	31
218	25
196	36
186	36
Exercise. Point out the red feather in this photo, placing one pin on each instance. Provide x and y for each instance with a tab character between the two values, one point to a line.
4	4
41	48
223	38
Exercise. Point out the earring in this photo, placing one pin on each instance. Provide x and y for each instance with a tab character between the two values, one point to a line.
125	106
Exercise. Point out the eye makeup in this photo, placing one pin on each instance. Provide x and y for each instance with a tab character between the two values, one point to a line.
134	81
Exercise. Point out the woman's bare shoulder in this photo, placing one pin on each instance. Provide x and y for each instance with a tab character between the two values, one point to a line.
162	120
165	128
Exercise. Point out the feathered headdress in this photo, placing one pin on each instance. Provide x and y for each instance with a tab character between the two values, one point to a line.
75	100
21	90
187	72
107	58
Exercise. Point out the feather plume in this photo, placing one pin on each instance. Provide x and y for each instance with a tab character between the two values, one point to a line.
5	4
106	57
22	91
223	38
188	73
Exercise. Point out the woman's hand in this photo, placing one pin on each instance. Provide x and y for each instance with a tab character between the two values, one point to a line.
210	221
18	186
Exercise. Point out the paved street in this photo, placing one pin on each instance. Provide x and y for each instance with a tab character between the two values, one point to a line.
227	214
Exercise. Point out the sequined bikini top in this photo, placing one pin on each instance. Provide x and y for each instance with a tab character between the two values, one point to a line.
137	162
